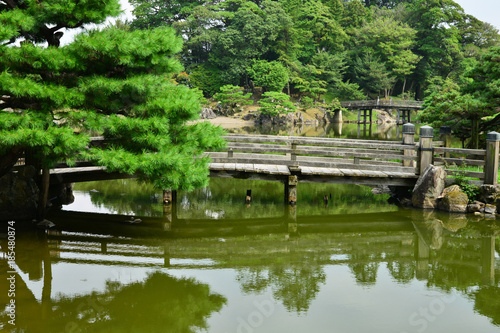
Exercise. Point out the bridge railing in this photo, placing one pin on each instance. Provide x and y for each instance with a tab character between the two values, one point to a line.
293	151
382	103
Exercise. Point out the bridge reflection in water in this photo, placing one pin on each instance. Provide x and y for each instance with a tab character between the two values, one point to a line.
292	258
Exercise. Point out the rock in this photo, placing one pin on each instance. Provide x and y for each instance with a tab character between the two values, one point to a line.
454	202
429	187
479	214
405	202
384	117
449	189
207	113
248	116
381	189
473	208
18	195
490	209
490	194
45	224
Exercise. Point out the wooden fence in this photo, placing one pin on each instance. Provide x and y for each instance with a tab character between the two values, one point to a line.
295	152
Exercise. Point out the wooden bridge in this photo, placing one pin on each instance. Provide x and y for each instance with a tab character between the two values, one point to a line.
292	159
365	109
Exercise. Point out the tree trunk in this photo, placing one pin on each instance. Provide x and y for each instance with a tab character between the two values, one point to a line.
474	141
404	86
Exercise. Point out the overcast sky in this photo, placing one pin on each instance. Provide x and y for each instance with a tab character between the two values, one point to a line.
485	10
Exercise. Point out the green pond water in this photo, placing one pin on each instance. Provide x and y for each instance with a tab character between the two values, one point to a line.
355	264
216	264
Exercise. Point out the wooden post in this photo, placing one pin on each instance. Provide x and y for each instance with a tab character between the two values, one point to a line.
398	116
169	208
371	112
491	166
44	194
293	156
426	135
359	116
291	190
167	197
409	139
409	116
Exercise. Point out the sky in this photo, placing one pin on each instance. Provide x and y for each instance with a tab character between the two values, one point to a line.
485	10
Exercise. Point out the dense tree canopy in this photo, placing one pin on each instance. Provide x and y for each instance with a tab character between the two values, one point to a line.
112	82
323	44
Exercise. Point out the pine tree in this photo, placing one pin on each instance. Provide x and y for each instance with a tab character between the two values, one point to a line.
112	82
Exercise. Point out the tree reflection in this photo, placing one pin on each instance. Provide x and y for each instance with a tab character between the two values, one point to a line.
488	303
161	303
296	287
402	271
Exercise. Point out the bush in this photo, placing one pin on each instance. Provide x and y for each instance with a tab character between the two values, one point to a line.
275	103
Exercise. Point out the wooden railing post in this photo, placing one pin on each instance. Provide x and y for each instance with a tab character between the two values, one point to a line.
293	155
409	139
491	166
426	135
445	136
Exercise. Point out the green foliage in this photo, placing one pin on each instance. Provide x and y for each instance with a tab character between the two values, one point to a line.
469	109
373	74
306	102
114	82
206	79
462	180
271	75
231	96
275	103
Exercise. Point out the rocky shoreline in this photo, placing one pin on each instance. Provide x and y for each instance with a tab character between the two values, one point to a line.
433	192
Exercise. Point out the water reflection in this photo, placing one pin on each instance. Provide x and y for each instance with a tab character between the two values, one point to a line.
386	131
225	198
170	293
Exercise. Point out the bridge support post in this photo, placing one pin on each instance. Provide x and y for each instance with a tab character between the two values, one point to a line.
370	117
291	190
491	166
398	116
359	116
409	116
169	208
409	139
426	151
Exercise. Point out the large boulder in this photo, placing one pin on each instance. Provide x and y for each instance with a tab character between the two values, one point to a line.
207	113
454	200
429	187
18	195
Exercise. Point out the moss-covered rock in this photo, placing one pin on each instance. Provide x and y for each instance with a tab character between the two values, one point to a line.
454	202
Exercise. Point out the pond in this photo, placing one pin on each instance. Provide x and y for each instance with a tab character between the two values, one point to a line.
217	264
